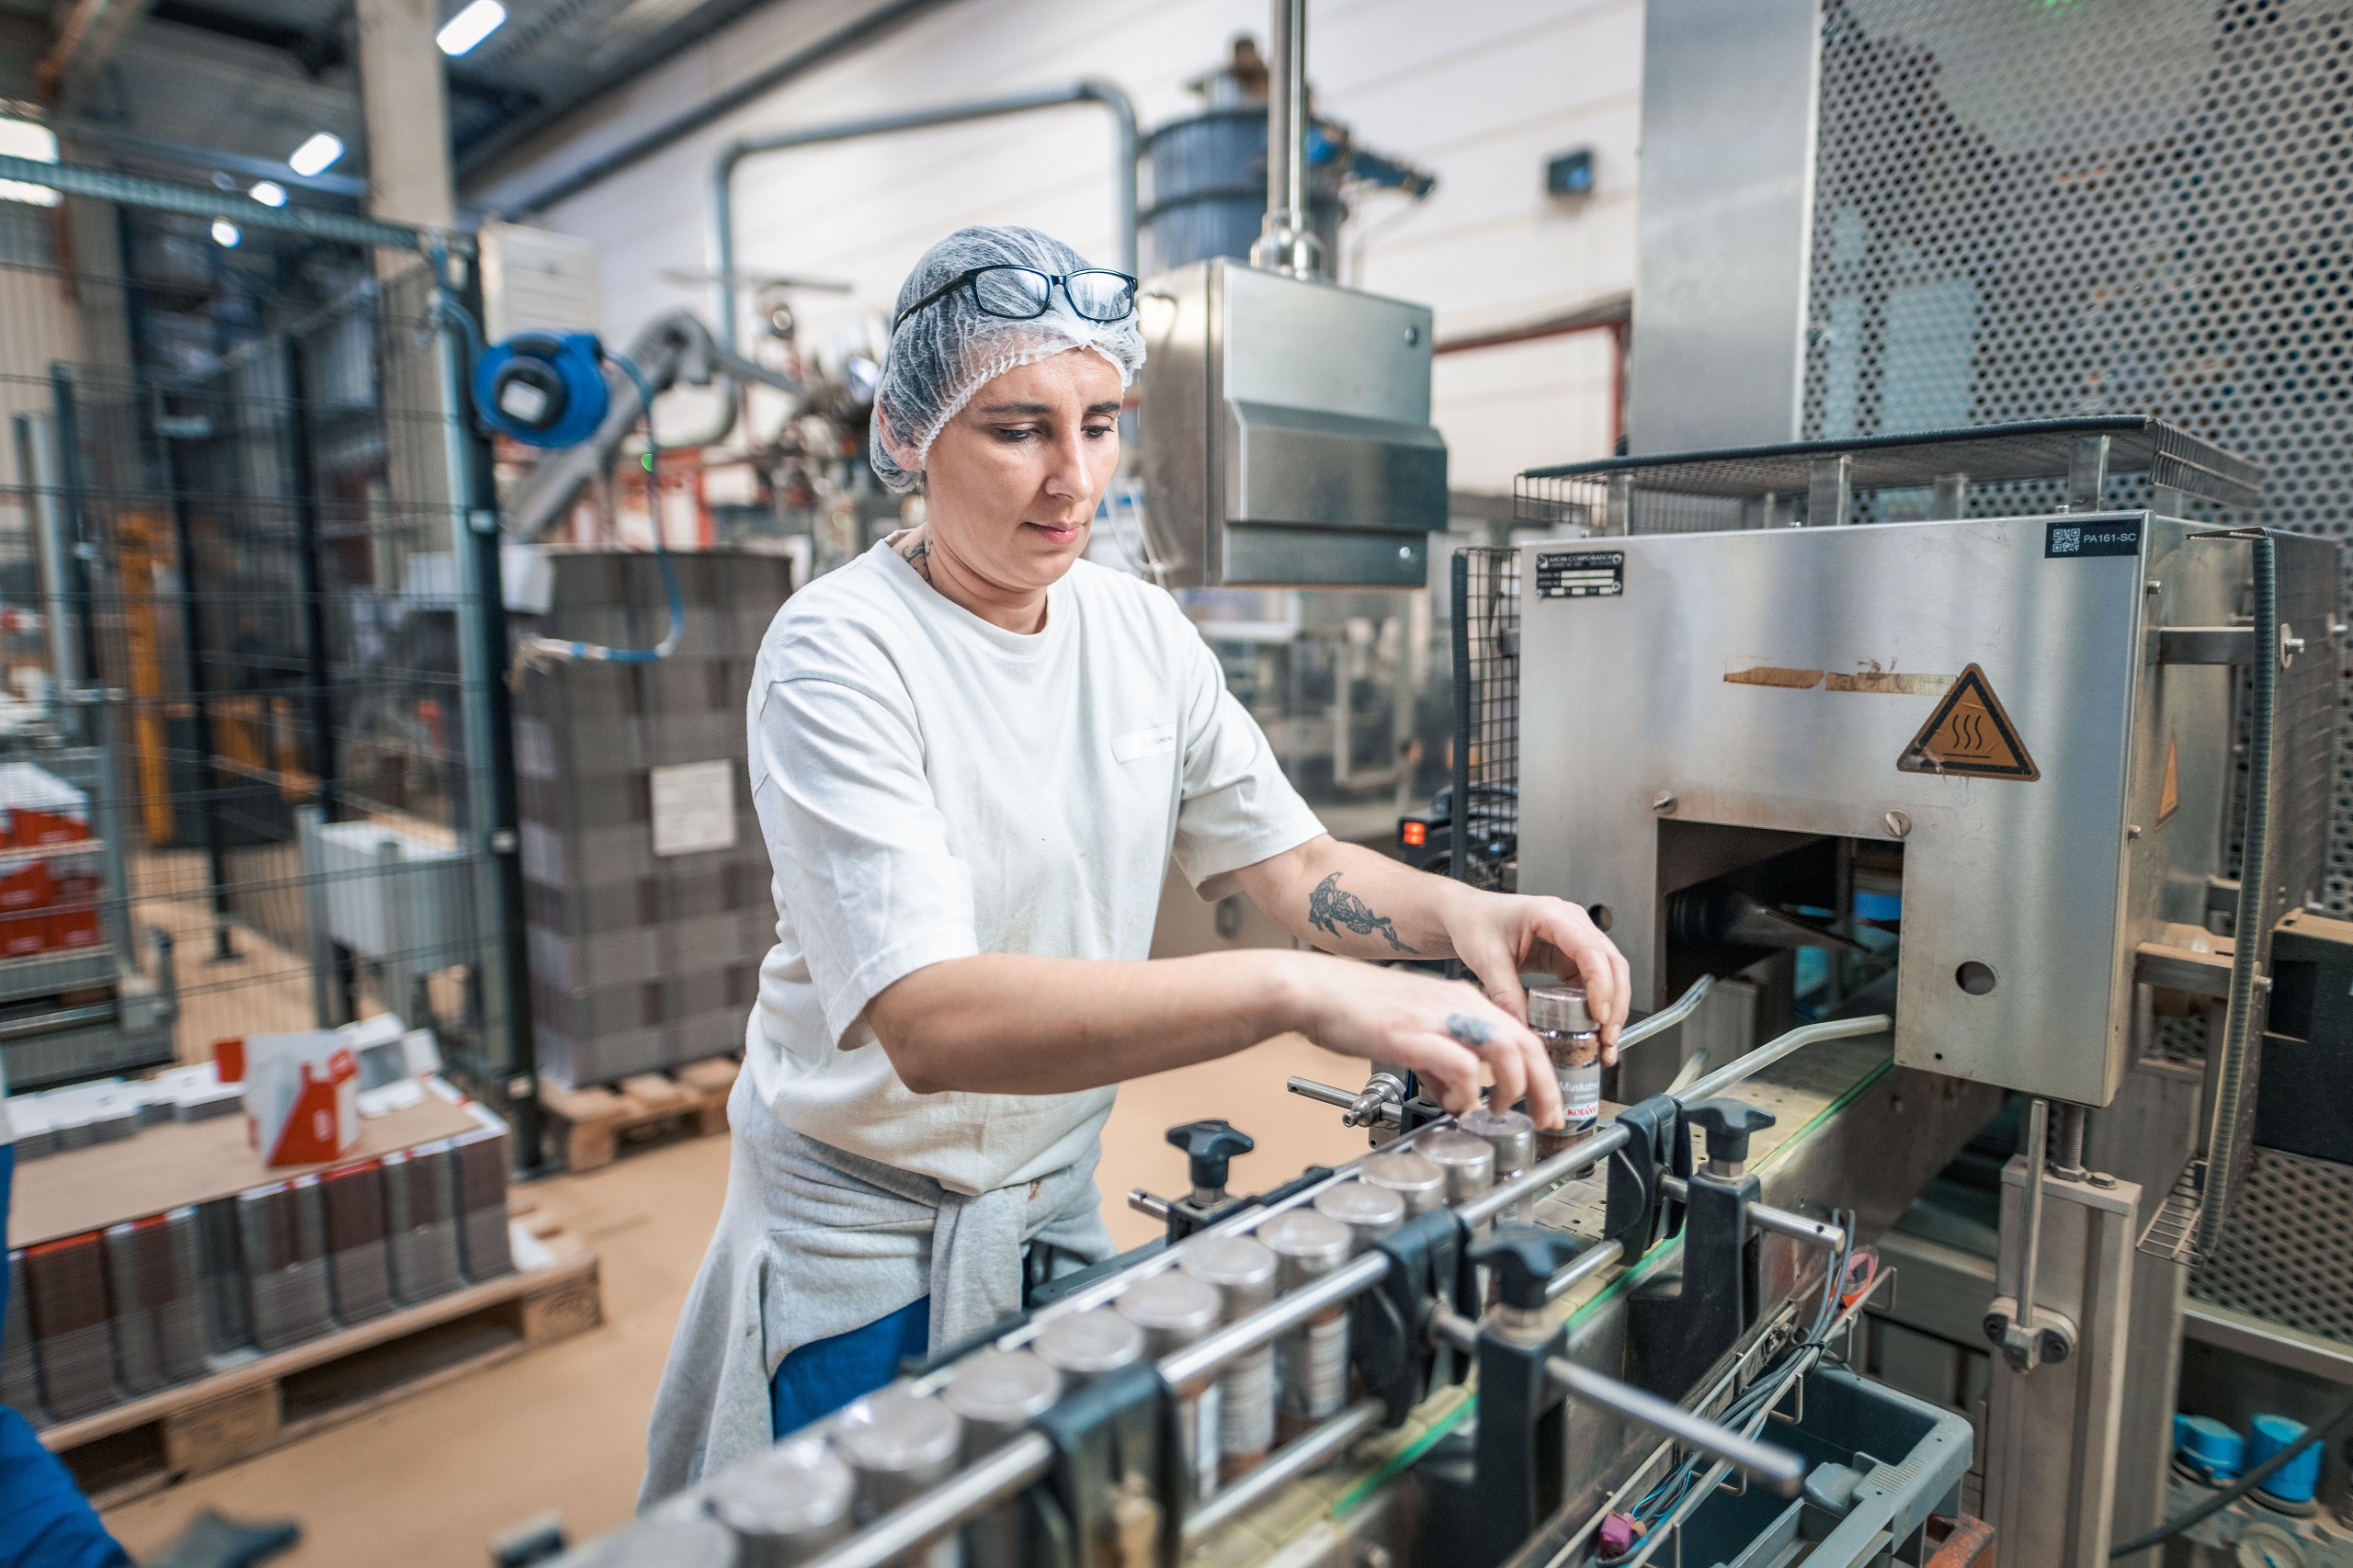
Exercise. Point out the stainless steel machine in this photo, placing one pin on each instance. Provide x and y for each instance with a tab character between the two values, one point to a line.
1286	420
2036	744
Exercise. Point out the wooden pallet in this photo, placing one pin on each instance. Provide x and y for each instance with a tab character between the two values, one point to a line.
585	1128
148	1443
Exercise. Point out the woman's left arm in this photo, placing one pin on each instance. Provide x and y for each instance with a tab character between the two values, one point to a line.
1346	898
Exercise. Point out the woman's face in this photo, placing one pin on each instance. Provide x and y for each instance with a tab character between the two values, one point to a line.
1013	481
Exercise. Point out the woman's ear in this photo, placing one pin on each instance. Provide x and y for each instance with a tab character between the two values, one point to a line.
906	457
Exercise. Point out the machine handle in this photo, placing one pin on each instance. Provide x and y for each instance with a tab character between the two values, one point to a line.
1729	1124
1208	1145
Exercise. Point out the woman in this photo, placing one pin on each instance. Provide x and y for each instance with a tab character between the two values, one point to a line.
973	755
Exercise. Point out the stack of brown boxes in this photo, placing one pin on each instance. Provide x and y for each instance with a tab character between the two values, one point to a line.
646	936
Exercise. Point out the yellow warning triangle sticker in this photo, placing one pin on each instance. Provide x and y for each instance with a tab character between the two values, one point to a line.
2169	794
1970	735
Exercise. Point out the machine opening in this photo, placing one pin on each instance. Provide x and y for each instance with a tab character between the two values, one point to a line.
1795	927
1975	978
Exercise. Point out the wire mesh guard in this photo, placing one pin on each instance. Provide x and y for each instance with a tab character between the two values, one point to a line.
1485	790
2009	470
226	580
2144	221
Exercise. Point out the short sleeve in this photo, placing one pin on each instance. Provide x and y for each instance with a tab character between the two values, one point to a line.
863	870
1236	808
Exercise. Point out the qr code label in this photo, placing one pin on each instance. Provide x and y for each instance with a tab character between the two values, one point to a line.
2075	540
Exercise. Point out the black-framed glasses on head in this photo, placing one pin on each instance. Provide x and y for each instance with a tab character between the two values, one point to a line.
1023	293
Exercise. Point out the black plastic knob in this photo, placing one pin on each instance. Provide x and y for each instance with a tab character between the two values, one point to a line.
1525	1258
1728	1124
1209	1145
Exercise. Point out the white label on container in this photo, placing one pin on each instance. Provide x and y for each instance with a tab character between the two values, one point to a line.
694	807
1581	1098
1204	1437
1313	1364
1246	1422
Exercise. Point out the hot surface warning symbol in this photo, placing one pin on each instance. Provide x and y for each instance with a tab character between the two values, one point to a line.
1969	734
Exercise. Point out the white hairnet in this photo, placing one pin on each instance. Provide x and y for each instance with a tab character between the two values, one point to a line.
944	353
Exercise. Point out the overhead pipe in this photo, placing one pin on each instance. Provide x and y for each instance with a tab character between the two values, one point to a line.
1123	173
1287	241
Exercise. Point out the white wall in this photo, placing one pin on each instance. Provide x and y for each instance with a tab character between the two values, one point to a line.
1482	92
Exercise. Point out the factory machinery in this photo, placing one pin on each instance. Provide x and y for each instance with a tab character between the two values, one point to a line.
2017	744
1960	802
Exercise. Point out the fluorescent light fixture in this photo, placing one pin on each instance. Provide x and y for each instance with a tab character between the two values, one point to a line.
226	234
24	139
315	155
470	27
269	192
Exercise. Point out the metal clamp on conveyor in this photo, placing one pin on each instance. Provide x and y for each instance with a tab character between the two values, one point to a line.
1391	1339
1113	1465
1676	1334
1525	1381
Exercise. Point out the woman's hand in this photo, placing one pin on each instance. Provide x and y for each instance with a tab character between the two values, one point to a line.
1442	1029
1501	936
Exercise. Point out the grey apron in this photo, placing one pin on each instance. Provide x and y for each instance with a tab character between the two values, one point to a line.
813	1242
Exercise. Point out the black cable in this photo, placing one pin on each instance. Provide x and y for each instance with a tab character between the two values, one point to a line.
2341	1416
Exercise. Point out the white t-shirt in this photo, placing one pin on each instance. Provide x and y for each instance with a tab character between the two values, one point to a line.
932	787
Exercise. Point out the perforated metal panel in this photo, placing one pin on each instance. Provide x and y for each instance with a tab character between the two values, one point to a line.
2060	208
2288	1256
2082	206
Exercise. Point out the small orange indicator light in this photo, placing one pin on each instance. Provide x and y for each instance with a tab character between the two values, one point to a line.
1415	834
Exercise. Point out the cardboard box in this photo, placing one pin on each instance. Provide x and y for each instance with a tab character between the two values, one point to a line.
301	1094
41	809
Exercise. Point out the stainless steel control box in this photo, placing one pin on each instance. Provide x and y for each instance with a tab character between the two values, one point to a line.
1286	432
1987	692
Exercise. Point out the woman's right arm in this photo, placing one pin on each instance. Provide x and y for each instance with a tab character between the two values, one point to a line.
1009	1023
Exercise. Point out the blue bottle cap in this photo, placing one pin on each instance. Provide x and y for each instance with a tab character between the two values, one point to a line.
2300	1478
2208	1446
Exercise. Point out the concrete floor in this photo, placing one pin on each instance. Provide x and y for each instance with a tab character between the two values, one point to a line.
429	1479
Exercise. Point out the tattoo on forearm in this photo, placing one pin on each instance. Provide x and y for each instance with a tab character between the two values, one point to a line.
917	554
1470	1030
1329	909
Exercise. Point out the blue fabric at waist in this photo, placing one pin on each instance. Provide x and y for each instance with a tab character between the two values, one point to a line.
819	1378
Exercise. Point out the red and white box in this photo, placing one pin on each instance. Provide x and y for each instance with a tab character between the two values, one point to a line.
41	809
301	1094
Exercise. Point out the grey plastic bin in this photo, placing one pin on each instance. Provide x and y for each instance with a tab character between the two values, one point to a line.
1878	1463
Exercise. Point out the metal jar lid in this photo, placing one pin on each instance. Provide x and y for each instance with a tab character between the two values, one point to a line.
1241	1267
792	1492
1467	1160
895	1433
1088	1344
1370	1213
1559	1008
1419	1182
1173	1310
1509	1134
1307	1242
1002	1388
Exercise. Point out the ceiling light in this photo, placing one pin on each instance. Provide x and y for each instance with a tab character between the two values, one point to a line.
226	234
24	139
269	192
470	27
316	154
